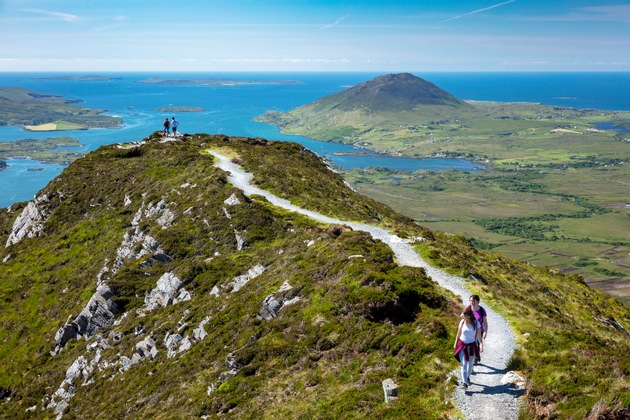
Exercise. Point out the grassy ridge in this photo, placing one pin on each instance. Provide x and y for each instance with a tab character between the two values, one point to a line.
358	320
561	323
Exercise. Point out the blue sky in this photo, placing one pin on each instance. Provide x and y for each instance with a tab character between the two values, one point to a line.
299	35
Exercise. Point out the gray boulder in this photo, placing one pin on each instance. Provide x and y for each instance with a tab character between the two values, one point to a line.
30	223
99	312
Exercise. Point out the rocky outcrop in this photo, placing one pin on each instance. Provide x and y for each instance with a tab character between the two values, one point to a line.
175	344
165	217
200	333
272	304
30	223
99	312
390	389
168	291
146	348
128	248
82	368
233	365
243	279
232	200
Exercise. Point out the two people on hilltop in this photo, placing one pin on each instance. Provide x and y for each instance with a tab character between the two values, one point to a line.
170	126
471	332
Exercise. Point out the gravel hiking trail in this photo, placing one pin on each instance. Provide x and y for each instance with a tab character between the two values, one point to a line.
490	396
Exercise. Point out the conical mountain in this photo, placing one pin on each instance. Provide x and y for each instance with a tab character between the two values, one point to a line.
391	92
385	103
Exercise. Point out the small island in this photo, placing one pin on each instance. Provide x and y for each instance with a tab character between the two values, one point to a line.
215	82
175	109
36	111
80	78
45	150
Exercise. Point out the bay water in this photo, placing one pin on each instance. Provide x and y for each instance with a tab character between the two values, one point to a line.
230	110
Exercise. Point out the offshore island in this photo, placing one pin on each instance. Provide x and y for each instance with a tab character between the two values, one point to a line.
44	150
215	82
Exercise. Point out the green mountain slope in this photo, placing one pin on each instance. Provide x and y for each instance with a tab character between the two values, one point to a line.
146	286
391	92
383	103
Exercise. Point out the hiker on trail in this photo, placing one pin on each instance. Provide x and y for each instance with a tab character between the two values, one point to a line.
466	348
174	125
481	316
167	125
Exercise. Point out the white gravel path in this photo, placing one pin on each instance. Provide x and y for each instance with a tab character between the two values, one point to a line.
489	397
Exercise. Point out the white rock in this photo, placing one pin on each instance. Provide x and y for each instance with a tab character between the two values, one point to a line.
239	242
242	280
232	200
28	224
164	294
285	286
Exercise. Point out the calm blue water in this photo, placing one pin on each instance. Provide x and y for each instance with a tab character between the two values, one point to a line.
230	110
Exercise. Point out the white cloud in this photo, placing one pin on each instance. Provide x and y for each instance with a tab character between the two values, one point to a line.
478	11
66	17
337	22
616	13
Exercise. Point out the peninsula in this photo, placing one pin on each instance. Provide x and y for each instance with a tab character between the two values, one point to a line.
36	111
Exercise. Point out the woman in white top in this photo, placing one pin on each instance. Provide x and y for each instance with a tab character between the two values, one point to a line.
466	347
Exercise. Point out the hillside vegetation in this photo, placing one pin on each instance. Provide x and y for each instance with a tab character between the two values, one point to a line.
149	287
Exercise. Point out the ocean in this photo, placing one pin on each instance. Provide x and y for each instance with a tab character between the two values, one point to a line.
230	109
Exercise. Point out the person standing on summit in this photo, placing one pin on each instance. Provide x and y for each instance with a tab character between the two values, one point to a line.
174	125
167	126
